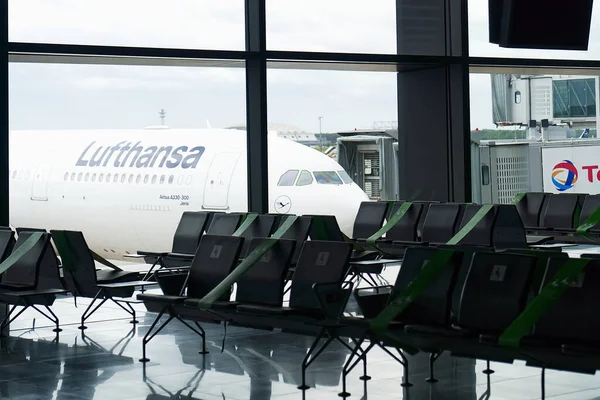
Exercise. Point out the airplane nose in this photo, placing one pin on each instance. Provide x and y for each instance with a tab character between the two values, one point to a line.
348	208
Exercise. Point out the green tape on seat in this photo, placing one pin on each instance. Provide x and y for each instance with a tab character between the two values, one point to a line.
245	265
391	222
428	274
247	222
62	245
590	222
19	252
522	325
518	198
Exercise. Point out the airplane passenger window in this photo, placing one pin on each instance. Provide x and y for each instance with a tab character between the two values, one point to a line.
21	174
304	179
153	179
138	179
288	178
130	178
73	176
80	176
101	178
188	180
108	176
327	178
162	179
14	174
146	178
180	179
171	179
66	176
116	178
94	177
345	177
87	176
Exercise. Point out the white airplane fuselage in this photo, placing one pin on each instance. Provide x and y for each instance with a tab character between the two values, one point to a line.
126	189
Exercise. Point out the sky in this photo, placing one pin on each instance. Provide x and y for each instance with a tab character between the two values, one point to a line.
61	96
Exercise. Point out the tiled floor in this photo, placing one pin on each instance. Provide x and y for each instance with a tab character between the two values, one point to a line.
102	363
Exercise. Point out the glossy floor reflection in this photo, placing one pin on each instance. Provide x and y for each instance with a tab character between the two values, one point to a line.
102	363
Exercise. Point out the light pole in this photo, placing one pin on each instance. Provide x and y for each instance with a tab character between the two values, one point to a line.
320	134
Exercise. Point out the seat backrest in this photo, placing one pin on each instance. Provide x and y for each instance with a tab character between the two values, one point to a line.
561	211
406	228
298	232
7	242
574	314
319	262
26	271
432	305
263	283
481	234
530	208
190	229
509	231
591	204
215	258
423	216
495	291
325	227
441	222
224	224
369	218
79	268
261	227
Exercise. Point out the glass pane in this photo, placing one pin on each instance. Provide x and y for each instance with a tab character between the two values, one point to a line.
345	177
304	179
193	24
332	26
327	177
479	45
288	178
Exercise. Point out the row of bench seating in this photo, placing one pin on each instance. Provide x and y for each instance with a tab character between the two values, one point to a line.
557	214
450	315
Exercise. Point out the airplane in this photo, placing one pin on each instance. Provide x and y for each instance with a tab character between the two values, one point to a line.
126	189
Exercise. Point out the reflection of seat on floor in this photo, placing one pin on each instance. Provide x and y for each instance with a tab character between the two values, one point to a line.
184	393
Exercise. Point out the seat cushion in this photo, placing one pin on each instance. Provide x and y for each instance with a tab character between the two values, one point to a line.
161	298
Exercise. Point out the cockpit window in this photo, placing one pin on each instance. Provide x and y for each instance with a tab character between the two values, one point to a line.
304	179
327	177
288	178
345	177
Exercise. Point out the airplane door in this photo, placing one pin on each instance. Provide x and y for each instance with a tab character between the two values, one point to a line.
218	180
39	186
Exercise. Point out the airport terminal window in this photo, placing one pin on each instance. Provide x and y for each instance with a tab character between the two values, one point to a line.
327	178
304	179
345	177
288	178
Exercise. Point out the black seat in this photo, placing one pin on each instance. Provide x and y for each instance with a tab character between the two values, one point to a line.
7	243
572	318
590	205
224	223
263	283
561	212
442	222
405	229
33	279
298	232
530	209
262	227
320	263
215	258
498	285
81	279
501	227
369	219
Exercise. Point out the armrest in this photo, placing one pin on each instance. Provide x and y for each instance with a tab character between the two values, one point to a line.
28	293
181	256
578	350
408	243
378	289
333	297
151	253
126	284
134	256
